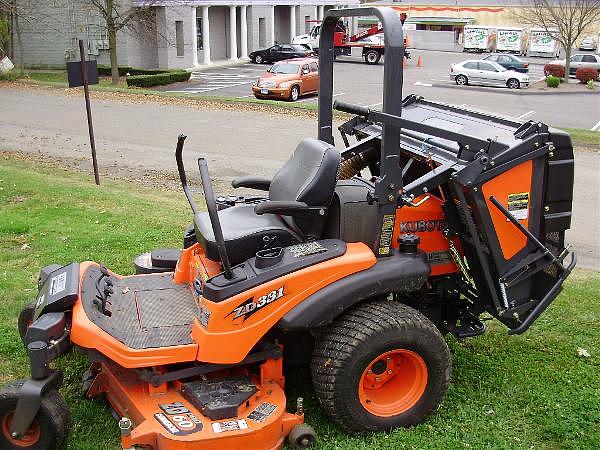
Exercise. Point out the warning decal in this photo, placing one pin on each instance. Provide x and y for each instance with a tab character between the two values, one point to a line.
518	205
262	412
387	230
229	425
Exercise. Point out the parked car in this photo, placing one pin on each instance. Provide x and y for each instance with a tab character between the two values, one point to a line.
510	62
280	52
588	43
288	80
488	73
579	60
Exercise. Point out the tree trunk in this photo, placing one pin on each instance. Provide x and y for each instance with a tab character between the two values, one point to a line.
112	45
567	62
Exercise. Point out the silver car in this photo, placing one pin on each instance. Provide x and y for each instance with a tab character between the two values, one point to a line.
487	73
579	60
588	43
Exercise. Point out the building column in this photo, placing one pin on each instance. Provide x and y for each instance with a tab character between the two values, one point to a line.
292	22
244	31
271	26
232	33
321	12
316	13
205	35
194	38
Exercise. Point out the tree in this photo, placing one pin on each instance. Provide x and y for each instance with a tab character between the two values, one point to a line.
564	20
120	15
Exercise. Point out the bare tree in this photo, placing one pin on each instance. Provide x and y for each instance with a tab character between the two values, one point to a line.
120	15
564	20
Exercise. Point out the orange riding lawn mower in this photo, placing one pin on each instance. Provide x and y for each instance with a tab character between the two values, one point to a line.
356	261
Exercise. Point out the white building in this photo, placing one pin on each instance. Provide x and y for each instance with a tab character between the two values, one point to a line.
186	33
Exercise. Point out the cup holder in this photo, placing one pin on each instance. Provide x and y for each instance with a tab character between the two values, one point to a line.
268	258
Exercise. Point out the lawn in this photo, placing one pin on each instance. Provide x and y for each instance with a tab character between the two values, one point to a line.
529	391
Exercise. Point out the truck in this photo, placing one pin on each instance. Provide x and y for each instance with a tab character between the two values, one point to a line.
370	40
542	43
510	40
478	38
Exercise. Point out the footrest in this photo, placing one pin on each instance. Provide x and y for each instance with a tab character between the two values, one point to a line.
467	325
219	399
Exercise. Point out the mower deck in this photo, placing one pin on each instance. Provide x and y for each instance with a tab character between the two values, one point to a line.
141	308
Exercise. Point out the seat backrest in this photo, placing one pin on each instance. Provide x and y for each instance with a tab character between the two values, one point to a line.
309	176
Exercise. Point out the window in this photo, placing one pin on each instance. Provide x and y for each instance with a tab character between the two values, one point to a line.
307	24
576	58
492	58
470	65
199	33
487	67
179	37
314	67
305	68
286	48
589	58
262	32
504	59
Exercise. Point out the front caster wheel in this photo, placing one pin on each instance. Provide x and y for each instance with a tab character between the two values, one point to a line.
302	437
49	428
380	366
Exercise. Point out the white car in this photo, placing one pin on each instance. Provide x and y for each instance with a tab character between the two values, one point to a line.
588	43
488	73
579	60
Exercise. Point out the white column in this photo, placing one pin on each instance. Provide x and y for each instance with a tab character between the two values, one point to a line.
194	38
292	22
271	26
244	31
316	14
232	33
321	12
205	35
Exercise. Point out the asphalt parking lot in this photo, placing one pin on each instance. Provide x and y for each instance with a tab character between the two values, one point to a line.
360	83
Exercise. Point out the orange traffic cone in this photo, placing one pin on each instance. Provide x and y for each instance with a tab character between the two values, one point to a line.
420	61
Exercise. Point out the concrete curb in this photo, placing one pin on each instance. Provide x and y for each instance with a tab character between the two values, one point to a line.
217	64
512	91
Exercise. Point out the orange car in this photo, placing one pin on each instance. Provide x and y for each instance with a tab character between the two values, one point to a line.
288	80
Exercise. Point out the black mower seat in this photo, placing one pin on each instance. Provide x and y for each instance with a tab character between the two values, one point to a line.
245	232
309	177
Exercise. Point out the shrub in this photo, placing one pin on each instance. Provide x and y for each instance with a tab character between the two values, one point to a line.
552	81
158	79
555	70
105	71
585	74
590	84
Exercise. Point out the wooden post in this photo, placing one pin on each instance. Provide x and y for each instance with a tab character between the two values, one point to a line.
88	108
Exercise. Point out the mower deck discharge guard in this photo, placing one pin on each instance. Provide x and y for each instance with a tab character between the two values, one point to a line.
355	261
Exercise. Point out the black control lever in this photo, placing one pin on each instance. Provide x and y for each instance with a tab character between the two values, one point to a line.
211	206
181	170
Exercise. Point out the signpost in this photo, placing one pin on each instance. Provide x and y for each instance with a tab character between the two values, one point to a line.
84	73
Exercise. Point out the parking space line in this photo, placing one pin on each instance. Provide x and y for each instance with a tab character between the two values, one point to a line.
527	114
418	83
596	127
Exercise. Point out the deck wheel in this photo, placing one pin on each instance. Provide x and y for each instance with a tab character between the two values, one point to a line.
302	437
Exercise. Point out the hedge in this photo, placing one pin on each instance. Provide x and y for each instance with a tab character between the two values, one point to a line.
158	79
555	70
105	71
585	74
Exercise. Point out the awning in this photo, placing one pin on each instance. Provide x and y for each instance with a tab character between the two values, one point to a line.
427	20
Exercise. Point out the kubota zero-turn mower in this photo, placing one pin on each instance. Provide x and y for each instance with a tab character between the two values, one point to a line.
357	261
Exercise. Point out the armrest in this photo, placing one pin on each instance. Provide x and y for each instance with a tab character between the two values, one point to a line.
252	182
293	209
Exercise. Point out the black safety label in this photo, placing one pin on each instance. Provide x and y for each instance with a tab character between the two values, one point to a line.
440	257
518	205
262	412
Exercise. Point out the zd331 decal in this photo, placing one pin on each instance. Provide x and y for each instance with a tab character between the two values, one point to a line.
250	306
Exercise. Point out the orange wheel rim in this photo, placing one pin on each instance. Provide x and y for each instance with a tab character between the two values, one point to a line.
30	438
393	383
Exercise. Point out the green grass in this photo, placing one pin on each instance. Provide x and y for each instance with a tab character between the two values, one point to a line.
583	136
518	392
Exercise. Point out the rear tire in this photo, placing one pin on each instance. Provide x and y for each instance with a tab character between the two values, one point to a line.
49	428
26	319
372	57
381	366
461	80
258	59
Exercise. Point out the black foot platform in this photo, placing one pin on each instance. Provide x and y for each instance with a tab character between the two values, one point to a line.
143	311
